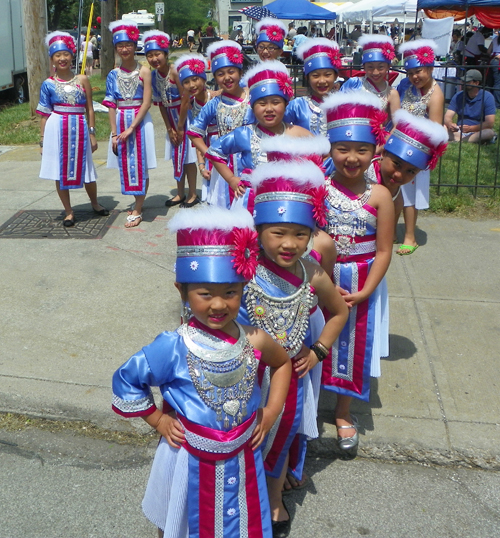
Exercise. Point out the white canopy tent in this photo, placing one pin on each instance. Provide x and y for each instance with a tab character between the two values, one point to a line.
375	11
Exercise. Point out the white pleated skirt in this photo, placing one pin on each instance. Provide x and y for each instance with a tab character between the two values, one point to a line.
381	327
416	193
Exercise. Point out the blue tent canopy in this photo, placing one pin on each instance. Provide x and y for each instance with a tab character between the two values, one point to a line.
299	10
459	5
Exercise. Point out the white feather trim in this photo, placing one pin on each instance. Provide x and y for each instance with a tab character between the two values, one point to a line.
299	172
353	98
214	47
270	21
48	37
271	65
297	146
115	24
432	130
153	33
193	56
374	38
314	42
210	218
416	44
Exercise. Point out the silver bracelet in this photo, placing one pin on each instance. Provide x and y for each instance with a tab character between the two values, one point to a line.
91	130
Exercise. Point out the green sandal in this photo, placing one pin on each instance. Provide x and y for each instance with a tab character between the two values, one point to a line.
406	250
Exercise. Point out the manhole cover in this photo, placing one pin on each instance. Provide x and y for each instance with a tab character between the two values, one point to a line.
38	224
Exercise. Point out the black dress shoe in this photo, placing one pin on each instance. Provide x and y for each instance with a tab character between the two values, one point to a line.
281	529
172	203
191	204
67	223
101	212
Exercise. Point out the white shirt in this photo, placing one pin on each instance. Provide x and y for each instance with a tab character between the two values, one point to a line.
472	47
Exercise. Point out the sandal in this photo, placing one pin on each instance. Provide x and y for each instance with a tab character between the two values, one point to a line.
406	250
132	219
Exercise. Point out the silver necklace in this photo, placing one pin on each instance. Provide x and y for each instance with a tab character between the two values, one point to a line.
417	104
259	157
382	95
286	319
68	91
317	121
223	378
345	218
128	82
231	116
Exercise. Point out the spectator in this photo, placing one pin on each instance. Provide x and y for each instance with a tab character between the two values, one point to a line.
475	114
457	46
95	50
210	30
475	48
299	38
292	32
190	39
494	51
356	33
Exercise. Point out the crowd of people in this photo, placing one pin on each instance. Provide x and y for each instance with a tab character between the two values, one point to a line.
280	270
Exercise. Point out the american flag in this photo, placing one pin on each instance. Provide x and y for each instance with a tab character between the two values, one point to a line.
257	12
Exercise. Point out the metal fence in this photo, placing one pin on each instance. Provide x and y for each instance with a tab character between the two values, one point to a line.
466	167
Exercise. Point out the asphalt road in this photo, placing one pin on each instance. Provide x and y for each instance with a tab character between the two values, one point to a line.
68	486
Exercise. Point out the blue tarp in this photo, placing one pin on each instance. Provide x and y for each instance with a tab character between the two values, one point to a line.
299	10
459	5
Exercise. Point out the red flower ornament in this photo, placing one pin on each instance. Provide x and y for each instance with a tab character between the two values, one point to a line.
425	55
439	152
285	84
68	41
163	42
377	122
388	51
235	56
335	58
196	66
319	207
275	33
246	250
133	33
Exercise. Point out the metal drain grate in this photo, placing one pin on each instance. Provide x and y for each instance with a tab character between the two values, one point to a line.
41	224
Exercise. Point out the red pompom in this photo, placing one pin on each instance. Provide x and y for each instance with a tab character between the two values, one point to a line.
439	152
319	207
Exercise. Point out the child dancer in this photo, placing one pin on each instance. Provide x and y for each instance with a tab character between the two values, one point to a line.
289	197
321	59
378	53
229	110
360	219
414	145
128	98
65	99
270	90
207	477
271	35
167	91
191	69
421	96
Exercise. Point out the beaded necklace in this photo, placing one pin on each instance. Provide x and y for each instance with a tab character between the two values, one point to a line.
318	120
259	157
345	220
417	104
224	377
231	115
68	91
128	82
382	95
286	319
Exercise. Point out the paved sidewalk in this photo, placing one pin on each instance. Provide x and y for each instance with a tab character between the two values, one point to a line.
75	309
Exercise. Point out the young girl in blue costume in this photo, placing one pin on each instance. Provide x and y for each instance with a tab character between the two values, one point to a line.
421	96
377	56
360	219
128	98
66	142
207	478
229	110
315	149
270	90
193	79
415	144
321	59
270	39
279	299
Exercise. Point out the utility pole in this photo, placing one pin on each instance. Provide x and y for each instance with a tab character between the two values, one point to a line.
107	49
35	28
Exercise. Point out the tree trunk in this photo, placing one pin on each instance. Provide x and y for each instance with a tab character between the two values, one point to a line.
107	49
35	28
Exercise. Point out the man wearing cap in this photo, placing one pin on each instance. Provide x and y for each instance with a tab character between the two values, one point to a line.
475	113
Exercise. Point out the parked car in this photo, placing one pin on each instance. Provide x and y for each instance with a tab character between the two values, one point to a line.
140	45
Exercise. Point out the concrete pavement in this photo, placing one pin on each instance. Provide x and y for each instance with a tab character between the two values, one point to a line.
73	310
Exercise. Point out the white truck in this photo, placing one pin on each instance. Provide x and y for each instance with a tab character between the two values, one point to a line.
13	71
